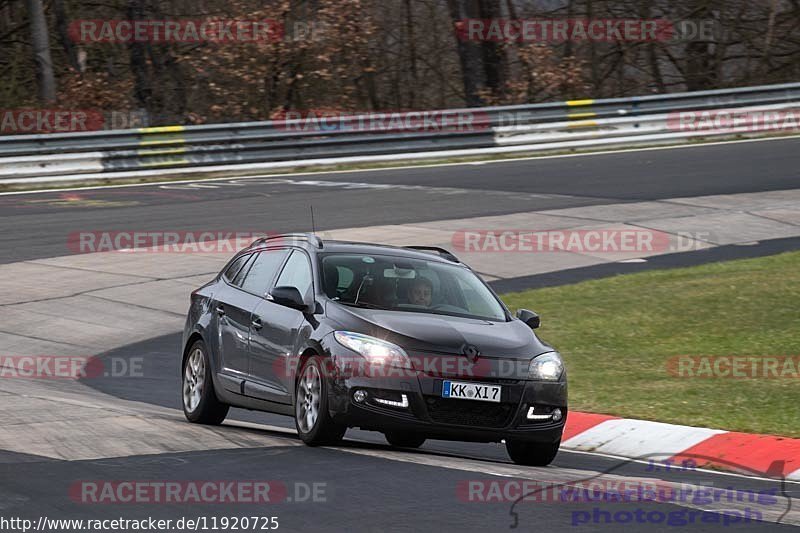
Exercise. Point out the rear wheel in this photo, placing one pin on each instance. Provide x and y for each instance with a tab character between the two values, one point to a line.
314	424
200	403
405	440
532	453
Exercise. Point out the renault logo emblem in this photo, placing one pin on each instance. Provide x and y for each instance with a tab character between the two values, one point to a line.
471	352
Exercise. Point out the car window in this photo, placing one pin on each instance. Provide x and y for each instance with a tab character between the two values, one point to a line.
409	285
232	270
243	271
473	299
296	273
262	272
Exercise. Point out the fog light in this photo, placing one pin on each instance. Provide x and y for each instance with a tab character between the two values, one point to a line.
557	414
360	395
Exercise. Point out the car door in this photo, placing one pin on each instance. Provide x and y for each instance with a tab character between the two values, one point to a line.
233	324
234	305
282	330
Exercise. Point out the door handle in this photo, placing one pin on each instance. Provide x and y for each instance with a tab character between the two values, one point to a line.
220	310
257	323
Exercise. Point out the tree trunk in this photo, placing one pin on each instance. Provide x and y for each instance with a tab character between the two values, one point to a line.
700	70
142	83
491	52
40	39
412	55
63	34
469	54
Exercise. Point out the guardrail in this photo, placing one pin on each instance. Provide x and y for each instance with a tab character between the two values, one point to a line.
279	144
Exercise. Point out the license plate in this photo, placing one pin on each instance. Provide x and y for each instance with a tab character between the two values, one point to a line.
471	391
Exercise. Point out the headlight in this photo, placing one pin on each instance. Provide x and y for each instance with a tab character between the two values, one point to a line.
547	367
375	350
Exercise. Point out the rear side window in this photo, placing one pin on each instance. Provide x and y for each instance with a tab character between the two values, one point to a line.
296	273
235	267
243	271
263	271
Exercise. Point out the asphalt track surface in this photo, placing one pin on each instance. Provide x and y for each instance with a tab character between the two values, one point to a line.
365	490
35	226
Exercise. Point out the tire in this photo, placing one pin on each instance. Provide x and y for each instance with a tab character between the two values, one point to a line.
199	399
312	419
532	453
405	440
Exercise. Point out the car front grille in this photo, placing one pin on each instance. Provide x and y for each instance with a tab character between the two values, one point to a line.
469	412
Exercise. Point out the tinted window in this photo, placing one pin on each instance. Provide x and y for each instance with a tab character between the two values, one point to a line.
243	272
262	272
296	273
235	267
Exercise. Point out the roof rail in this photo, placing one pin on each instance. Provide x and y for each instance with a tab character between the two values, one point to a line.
441	251
308	237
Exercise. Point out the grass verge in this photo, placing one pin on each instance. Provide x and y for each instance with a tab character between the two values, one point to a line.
618	334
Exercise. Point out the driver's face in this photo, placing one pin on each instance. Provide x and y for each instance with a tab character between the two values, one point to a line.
421	294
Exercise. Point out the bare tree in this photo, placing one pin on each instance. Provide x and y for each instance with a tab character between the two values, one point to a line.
40	40
469	53
379	55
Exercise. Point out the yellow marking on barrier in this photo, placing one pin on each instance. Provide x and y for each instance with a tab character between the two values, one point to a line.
162	140
573	103
163	151
583	124
573	116
163	129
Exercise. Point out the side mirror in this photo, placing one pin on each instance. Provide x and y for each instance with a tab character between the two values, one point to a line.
530	318
288	297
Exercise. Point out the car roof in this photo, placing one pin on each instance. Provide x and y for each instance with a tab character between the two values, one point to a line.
314	244
384	249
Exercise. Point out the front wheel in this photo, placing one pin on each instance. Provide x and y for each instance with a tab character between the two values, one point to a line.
532	453
314	423
200	402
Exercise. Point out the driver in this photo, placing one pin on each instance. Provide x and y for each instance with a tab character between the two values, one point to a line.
420	292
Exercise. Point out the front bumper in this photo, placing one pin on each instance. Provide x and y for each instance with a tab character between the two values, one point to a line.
435	417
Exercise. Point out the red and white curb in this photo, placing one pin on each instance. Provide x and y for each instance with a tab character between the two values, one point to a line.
765	455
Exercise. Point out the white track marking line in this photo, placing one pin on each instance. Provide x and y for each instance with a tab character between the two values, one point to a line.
289	431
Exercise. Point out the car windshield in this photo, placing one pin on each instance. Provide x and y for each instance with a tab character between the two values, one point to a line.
413	285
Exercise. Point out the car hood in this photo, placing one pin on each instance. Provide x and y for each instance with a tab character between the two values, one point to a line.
422	332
